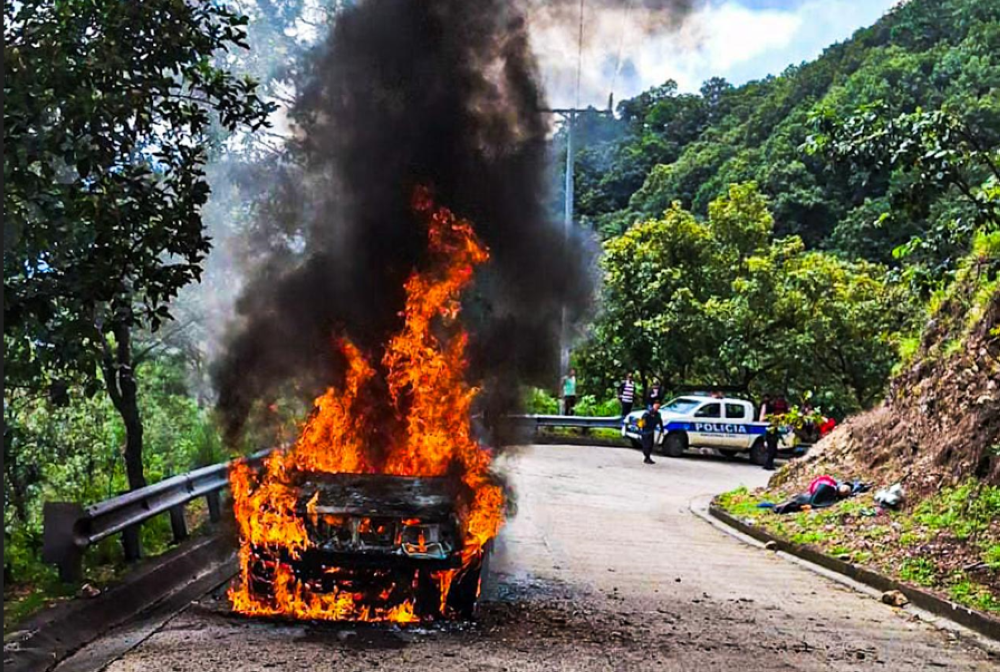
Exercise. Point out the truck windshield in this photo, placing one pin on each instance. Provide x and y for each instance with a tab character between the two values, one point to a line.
680	405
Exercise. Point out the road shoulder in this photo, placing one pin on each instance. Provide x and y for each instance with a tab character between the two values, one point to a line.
702	507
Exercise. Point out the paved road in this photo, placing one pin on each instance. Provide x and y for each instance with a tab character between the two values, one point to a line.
603	568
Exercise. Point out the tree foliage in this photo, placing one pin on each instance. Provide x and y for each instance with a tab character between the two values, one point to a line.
935	153
724	302
668	146
109	110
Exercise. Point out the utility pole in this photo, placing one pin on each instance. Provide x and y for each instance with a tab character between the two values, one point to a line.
569	116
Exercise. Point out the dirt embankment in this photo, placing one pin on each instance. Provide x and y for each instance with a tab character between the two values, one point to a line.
938	434
940	423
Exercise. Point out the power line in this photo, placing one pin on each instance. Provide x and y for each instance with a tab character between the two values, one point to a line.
579	57
621	47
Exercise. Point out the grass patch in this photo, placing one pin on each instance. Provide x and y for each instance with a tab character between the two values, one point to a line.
964	511
921	571
862	557
991	556
20	603
974	595
922	544
814	537
739	502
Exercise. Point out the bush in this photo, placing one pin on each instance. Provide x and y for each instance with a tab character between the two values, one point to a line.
73	453
588	405
540	402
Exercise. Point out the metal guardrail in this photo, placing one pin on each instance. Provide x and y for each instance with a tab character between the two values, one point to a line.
70	528
589	422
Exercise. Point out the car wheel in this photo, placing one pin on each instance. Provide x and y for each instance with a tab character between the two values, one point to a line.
427	594
463	594
636	443
675	444
758	452
729	454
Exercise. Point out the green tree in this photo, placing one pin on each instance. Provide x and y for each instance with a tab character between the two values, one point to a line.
929	54
656	279
934	152
724	302
110	108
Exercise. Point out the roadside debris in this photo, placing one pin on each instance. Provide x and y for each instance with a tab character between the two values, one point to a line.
894	598
891	497
88	591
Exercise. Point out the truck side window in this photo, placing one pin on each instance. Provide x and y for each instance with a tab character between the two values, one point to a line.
736	411
709	411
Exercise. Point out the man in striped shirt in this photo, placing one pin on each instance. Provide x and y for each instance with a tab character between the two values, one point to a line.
626	394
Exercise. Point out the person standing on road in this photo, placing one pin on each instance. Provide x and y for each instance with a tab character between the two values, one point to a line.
648	424
771	439
626	394
655	394
569	392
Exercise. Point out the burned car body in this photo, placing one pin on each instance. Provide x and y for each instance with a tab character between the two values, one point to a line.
384	538
381	520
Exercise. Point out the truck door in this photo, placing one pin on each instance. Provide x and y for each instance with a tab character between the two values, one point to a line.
735	424
707	421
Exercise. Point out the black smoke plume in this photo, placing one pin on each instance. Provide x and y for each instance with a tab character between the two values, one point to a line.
408	92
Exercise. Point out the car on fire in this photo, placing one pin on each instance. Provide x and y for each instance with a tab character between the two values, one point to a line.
392	537
726	424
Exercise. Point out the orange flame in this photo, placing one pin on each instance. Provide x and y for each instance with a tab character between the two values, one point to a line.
430	402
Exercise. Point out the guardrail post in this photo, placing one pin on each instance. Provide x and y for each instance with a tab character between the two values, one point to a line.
131	543
59	542
178	524
214	506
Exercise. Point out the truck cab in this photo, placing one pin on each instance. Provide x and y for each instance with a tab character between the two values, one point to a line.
727	424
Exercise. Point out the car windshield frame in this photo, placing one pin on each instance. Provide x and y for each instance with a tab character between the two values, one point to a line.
681	405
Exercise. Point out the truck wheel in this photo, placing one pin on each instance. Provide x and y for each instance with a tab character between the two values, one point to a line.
675	444
758	452
729	454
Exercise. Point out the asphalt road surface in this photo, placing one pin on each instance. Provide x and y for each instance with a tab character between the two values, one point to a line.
604	567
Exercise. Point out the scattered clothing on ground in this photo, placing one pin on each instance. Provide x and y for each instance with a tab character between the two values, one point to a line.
891	497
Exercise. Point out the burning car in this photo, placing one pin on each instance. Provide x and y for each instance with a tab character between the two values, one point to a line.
385	506
395	542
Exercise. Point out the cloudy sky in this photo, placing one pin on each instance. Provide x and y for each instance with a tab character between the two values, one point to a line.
736	39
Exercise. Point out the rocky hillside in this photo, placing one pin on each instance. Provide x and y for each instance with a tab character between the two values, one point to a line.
937	434
940	423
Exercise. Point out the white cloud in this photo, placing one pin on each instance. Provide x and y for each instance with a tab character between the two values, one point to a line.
723	38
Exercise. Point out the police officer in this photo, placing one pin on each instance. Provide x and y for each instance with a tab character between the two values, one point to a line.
648	424
771	440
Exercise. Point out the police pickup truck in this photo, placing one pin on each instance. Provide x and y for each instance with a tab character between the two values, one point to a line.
725	424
